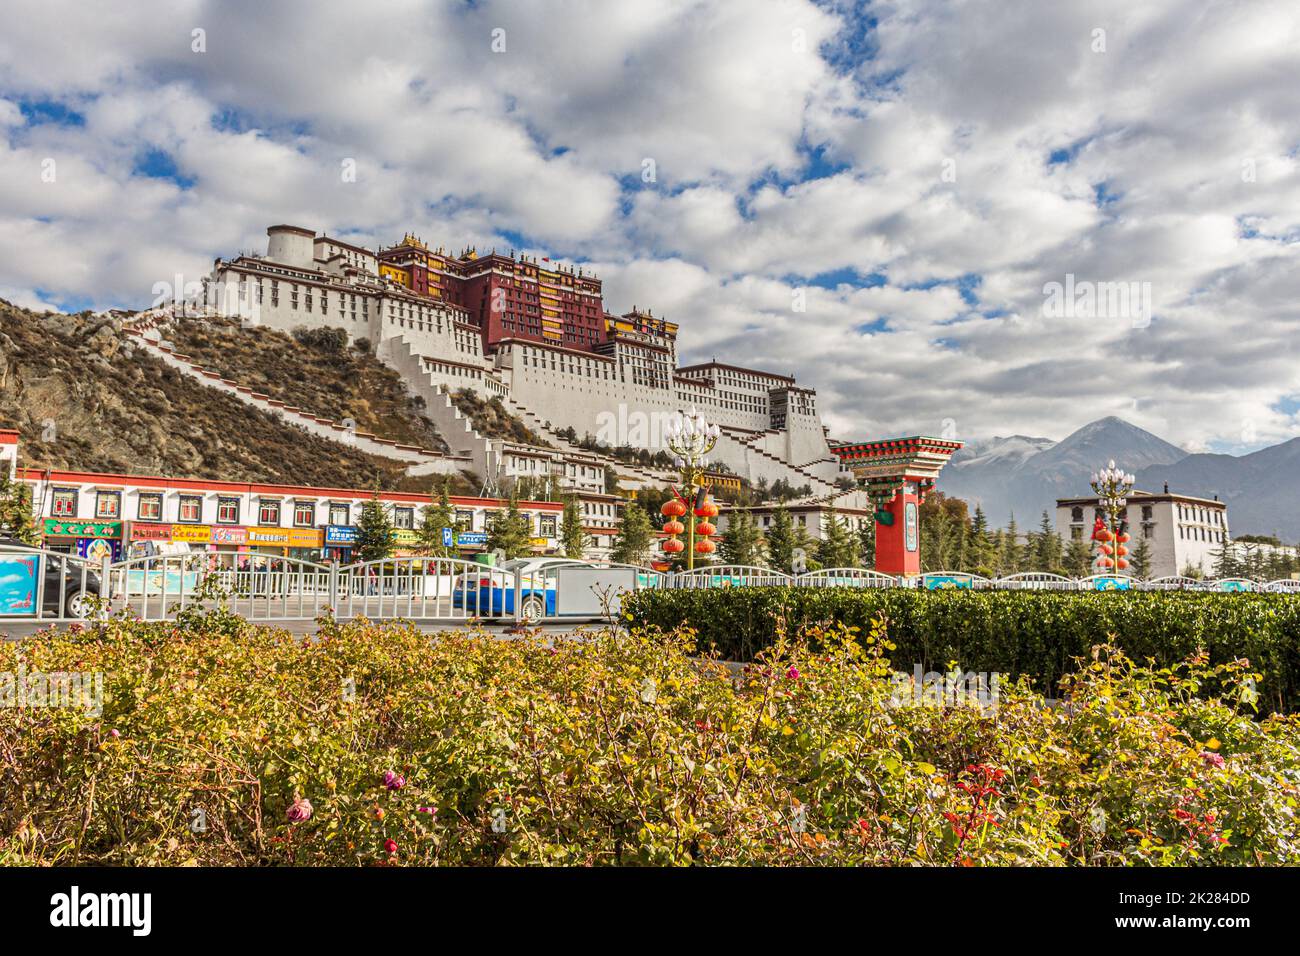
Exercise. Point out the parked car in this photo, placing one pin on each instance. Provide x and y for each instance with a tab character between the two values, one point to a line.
491	591
65	594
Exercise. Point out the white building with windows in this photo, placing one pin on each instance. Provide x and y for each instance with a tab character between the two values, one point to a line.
1181	531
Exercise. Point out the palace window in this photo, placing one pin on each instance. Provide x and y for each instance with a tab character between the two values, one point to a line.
65	503
190	509
403	518
465	519
268	512
227	511
304	514
150	507
338	514
108	504
546	526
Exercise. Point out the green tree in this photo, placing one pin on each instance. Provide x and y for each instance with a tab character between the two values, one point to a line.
981	553
433	518
837	548
1047	547
635	536
742	542
509	532
1010	552
780	541
374	531
1077	562
867	541
16	519
1139	559
573	539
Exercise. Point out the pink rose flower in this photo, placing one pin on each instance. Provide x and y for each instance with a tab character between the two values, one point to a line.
392	781
300	810
390	846
1211	758
792	673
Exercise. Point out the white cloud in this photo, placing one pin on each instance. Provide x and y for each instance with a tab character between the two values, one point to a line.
934	165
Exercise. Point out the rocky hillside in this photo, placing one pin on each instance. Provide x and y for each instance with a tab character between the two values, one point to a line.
314	370
83	397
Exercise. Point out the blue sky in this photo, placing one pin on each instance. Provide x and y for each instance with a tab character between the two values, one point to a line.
871	196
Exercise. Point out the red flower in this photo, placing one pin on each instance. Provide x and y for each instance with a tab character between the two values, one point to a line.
1212	759
390	847
392	781
792	673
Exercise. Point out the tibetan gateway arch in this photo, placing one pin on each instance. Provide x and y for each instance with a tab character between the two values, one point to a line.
897	473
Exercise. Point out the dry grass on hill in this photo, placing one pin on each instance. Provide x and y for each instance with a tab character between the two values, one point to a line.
84	398
315	371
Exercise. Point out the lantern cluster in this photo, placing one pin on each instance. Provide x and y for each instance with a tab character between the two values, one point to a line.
705	511
673	509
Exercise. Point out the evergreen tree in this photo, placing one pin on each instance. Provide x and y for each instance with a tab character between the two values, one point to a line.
1010	552
981	551
1139	559
374	531
1047	548
837	548
742	542
509	532
635	536
1077	562
780	541
433	519
16	519
573	539
867	541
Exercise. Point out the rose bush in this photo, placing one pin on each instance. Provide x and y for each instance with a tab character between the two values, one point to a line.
225	744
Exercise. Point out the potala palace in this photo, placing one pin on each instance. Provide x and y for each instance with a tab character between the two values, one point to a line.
534	333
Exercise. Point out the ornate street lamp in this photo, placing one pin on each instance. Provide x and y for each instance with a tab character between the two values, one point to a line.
1112	488
690	438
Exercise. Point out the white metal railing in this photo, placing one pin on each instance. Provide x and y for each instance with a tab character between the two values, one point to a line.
846	577
727	575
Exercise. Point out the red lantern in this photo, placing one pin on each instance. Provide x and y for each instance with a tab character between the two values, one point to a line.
704	547
1121	550
1122	563
673	526
1123	538
707	510
1106	562
1103	535
1104	549
704	529
673	508
673	546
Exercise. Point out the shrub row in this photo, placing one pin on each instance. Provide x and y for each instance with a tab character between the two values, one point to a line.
1033	633
379	745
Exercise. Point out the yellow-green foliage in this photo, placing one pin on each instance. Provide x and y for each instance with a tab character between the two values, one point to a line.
460	748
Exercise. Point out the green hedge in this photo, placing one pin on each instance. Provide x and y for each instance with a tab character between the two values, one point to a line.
1032	633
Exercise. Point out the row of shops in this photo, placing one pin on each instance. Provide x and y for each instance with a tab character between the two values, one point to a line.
119	540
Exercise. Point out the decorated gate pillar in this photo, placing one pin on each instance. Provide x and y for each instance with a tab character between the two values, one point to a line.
897	473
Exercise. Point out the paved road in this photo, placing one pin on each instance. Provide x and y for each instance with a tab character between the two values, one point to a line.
15	631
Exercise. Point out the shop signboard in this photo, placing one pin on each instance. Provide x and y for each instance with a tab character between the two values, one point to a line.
151	532
286	537
192	533
340	535
470	539
99	549
228	534
61	528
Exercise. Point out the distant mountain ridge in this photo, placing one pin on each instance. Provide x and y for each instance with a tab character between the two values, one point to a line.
1024	476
